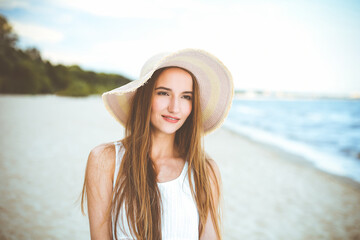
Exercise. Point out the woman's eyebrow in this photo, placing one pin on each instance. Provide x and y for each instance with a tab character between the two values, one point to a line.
169	89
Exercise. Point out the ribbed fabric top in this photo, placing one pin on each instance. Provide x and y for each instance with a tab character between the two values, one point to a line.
180	218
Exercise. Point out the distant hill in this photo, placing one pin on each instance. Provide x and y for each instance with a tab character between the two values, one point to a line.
25	72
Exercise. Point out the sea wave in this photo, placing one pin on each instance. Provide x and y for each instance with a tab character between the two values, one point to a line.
324	133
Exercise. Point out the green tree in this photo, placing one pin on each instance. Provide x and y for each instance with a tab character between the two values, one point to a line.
7	37
8	41
25	72
24	79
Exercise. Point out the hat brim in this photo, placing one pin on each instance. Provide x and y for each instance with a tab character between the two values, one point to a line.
214	80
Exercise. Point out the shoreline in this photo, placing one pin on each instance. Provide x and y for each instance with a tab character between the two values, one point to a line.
272	194
294	158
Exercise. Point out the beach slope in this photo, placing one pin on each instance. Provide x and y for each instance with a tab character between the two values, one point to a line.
270	194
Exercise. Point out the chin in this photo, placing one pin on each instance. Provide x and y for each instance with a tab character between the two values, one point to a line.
168	130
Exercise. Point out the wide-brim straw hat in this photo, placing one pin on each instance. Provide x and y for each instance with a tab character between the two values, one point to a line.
214	80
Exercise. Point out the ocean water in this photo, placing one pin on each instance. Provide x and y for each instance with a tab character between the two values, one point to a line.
326	132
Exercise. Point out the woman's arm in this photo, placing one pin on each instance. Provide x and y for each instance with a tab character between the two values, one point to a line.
209	229
99	184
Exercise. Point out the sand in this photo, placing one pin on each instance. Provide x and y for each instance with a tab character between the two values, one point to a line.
270	194
267	193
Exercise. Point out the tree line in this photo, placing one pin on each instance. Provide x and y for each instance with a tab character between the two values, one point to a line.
25	72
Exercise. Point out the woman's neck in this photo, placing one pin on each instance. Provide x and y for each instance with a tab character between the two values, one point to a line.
163	146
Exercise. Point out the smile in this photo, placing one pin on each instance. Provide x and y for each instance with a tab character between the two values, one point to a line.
170	119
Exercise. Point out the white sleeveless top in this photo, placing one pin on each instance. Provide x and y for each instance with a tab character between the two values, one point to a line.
180	218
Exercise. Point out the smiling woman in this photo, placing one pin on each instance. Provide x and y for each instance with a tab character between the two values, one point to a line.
171	104
158	183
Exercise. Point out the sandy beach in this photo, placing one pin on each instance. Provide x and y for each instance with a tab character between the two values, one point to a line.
267	193
270	194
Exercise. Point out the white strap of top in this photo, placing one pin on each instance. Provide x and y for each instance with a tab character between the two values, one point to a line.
119	153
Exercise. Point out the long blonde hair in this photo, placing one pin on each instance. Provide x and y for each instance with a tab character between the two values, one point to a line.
136	185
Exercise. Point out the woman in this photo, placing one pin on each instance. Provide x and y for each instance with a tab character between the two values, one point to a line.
157	183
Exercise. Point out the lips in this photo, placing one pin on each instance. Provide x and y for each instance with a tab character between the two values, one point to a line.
170	118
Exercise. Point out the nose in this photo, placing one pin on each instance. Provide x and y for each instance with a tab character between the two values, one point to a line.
174	105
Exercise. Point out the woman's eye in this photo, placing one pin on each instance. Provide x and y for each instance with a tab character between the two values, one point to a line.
187	97
162	93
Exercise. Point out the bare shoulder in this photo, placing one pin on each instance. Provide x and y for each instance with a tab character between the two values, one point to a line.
213	167
98	188
215	179
102	158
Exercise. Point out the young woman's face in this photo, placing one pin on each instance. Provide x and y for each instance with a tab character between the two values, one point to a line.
172	101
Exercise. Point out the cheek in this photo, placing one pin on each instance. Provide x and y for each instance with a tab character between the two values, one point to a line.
187	108
158	104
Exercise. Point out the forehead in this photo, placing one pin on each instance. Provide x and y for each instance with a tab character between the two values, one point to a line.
175	78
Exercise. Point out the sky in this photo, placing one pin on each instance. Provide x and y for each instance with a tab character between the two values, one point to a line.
305	46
